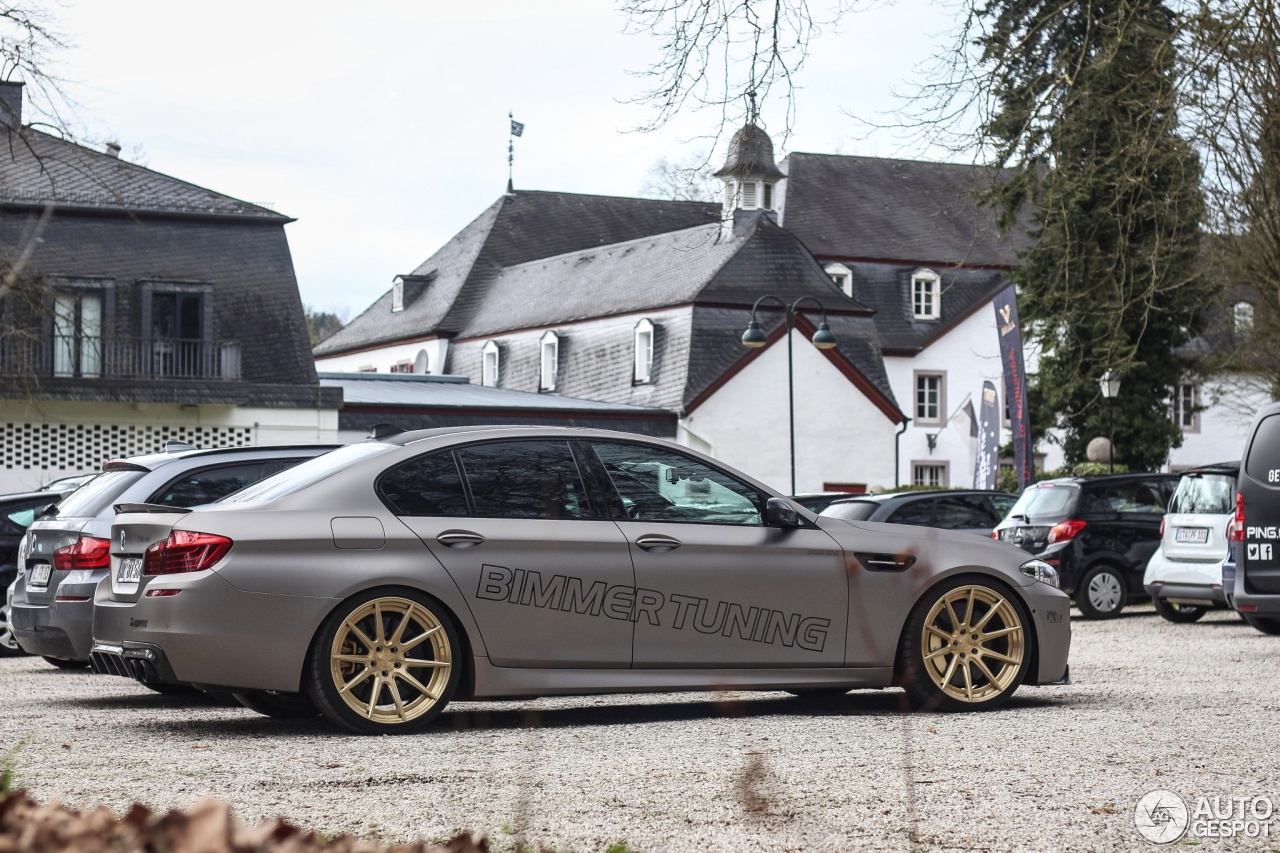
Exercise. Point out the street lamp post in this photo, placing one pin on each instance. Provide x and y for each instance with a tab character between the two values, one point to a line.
1110	383
754	337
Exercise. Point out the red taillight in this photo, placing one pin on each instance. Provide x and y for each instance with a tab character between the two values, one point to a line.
1065	531
162	593
995	534
1237	531
184	551
87	552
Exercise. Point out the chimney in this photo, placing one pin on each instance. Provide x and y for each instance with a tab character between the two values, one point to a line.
113	149
10	104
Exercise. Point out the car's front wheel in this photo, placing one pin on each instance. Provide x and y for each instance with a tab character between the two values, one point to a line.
1181	613
385	662
1102	593
966	647
280	706
1264	624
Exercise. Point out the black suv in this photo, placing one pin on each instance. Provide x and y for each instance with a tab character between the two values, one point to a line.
1255	590
1098	532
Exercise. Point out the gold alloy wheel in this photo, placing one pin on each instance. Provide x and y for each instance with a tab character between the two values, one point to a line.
973	643
390	660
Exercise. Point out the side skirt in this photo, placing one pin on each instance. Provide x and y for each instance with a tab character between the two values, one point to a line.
496	681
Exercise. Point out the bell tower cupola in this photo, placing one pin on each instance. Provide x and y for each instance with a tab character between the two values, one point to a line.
750	174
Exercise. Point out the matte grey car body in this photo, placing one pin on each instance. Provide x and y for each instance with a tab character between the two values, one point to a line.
54	618
650	572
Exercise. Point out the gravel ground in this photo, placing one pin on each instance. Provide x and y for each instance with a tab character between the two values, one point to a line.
1189	708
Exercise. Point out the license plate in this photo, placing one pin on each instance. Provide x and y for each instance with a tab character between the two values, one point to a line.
130	570
40	574
1193	535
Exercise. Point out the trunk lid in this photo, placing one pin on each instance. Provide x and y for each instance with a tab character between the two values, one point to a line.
1195	528
136	528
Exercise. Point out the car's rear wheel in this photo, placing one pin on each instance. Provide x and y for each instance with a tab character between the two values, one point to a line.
966	646
281	706
64	663
1181	613
1102	593
1264	624
385	662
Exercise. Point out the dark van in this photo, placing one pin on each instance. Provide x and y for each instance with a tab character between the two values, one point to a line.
1256	589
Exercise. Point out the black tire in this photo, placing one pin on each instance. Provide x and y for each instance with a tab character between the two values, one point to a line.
992	668
1102	593
64	663
1265	624
280	706
341	664
1180	613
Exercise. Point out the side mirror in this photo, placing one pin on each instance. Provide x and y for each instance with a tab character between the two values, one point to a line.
780	513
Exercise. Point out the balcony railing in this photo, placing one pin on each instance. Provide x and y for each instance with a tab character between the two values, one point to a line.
118	357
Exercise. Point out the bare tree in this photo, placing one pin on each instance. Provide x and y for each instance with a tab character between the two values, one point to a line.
689	179
30	43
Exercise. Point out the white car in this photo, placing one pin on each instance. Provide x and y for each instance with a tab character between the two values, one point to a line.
1184	577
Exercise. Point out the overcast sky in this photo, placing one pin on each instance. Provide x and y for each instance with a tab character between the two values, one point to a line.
382	126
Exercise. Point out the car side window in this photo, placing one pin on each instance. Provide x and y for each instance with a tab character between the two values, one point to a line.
524	479
1140	497
17	519
963	512
427	485
208	485
1003	503
656	484
917	512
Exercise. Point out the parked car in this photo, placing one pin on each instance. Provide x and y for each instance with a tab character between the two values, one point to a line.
818	501
16	514
67	484
65	551
1256	585
1184	577
972	511
381	581
1098	532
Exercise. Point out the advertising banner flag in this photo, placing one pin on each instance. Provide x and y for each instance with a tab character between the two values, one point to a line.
986	464
1015	383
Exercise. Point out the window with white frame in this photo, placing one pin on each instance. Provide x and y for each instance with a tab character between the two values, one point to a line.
926	295
930	474
489	364
1242	317
841	277
1186	399
397	295
643	352
550	362
366	368
404	366
930	398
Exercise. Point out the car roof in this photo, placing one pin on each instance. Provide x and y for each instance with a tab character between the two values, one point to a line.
885	497
1232	468
152	461
1102	478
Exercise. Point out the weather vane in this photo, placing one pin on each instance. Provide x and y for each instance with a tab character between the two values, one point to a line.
517	129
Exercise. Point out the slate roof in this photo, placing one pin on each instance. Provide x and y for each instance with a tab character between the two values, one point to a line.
517	228
362	389
873	208
886	288
37	169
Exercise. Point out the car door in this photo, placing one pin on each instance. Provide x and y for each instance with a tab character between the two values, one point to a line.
549	583
715	587
1123	519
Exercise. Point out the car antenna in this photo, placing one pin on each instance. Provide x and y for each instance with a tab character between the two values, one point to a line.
385	430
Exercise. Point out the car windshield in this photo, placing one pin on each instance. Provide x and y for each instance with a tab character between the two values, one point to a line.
308	473
1045	501
99	493
1204	493
851	510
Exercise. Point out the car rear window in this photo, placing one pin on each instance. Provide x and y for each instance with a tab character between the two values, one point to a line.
308	473
1046	501
852	510
1263	463
96	495
1212	494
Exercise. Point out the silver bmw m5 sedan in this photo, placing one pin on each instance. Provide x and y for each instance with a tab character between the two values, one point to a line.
378	582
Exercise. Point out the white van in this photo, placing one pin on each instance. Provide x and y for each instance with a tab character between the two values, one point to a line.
1184	576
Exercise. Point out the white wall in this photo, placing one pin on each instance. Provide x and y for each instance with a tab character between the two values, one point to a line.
384	358
1224	425
841	437
43	441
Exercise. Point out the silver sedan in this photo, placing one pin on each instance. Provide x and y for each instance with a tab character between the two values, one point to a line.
378	582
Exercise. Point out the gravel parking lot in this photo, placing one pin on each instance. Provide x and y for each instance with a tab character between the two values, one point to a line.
1188	708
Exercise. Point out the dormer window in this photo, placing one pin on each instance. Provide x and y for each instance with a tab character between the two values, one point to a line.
397	296
926	296
1242	317
550	362
643	352
842	278
489	364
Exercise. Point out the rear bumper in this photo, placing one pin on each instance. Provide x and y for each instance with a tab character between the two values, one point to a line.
1188	593
139	661
60	630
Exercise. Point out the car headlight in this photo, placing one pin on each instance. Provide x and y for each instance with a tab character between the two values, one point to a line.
1041	571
